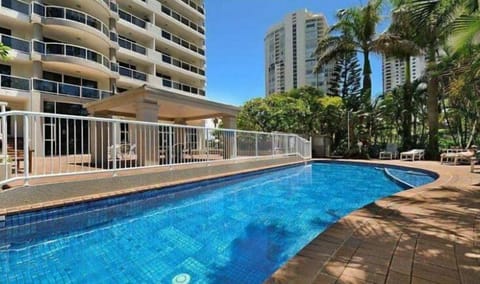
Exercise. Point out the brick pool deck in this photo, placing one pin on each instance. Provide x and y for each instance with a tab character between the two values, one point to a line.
429	234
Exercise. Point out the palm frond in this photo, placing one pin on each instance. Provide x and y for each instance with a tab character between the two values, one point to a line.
465	30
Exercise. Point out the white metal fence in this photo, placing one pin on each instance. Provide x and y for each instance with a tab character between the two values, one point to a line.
42	144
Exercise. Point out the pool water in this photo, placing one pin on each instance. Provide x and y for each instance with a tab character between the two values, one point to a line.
233	231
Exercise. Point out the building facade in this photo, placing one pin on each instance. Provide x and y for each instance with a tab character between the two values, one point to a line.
290	57
68	53
394	72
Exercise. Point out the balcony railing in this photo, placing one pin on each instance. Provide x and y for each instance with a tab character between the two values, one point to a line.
167	83
16	5
130	45
182	42
14	82
114	7
53	48
195	6
15	43
132	19
95	145
134	74
60	88
181	64
70	15
172	13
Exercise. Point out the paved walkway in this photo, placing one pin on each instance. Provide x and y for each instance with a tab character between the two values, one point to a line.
429	234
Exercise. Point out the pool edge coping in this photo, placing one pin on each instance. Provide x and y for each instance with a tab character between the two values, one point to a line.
133	190
291	265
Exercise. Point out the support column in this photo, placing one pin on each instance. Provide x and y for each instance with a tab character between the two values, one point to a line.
36	134
113	54
37	71
147	136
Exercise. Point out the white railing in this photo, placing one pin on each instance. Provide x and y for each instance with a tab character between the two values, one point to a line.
45	145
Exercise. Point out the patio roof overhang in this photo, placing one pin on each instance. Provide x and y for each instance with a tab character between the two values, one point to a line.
169	106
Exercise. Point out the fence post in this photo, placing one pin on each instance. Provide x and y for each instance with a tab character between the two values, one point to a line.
3	109
235	150
207	146
170	146
310	148
114	147
273	146
256	145
26	163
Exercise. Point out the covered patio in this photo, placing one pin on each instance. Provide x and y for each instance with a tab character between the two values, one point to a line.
149	144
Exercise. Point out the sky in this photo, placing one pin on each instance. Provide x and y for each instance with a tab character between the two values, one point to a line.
235	31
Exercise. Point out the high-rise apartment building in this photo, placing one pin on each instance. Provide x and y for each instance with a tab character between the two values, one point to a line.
393	70
290	57
68	53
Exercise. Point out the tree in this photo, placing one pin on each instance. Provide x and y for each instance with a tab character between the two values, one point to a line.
433	21
345	81
354	32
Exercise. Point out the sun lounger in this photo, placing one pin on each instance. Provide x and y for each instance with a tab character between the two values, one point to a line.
457	157
412	155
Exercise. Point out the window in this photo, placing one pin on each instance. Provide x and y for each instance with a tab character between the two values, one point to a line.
5	69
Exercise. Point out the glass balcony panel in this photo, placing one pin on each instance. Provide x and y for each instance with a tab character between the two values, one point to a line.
125	71
75	51
167	83
53	48
15	43
12	82
75	16
90	93
39	47
16	5
45	86
94	23
166	58
39	9
166	35
69	90
55	12
139	76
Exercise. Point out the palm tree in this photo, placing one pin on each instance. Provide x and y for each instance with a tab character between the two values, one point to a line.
432	21
396	42
3	52
355	32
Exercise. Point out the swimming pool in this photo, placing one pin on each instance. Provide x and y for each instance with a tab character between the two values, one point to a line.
232	230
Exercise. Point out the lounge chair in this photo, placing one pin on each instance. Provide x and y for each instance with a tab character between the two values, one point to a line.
457	157
391	152
412	155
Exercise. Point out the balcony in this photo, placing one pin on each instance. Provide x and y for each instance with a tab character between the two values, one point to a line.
167	83
165	58
72	51
175	15
10	82
130	45
195	6
71	15
16	5
181	42
132	19
59	88
133	74
15	43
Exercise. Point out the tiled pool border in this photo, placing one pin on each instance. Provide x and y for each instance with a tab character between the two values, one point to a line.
48	213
